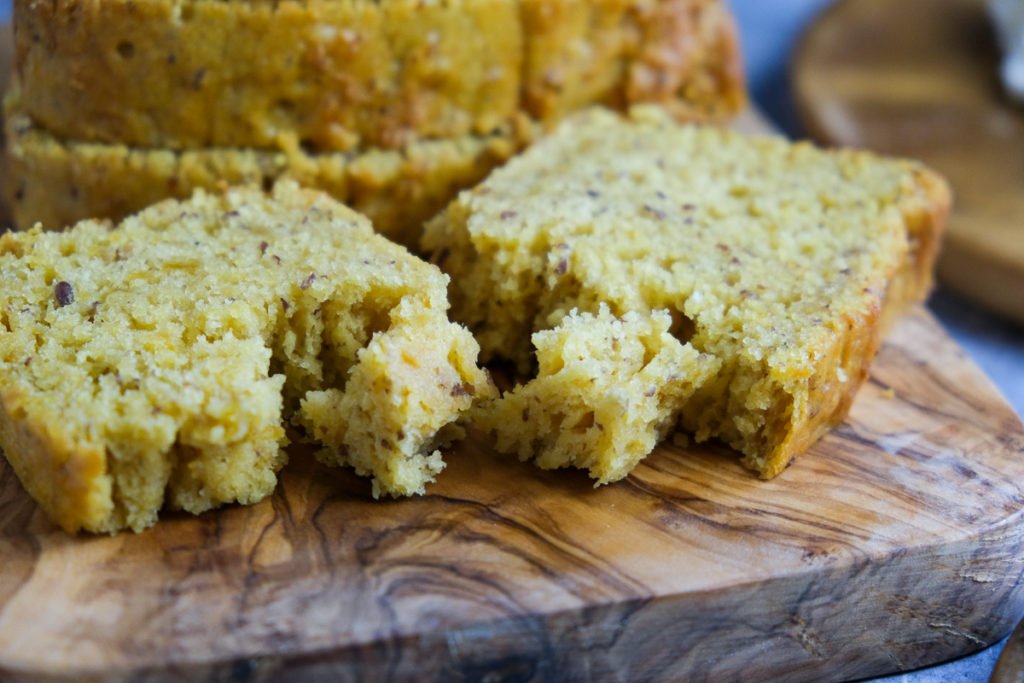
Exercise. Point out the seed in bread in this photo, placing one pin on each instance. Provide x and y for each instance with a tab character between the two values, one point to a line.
780	260
154	363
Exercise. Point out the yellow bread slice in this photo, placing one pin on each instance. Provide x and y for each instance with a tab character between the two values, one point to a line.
155	362
56	183
780	260
345	75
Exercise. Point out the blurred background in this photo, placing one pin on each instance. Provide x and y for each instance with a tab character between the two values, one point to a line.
771	30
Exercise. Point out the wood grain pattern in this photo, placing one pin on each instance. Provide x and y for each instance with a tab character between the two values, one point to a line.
919	78
895	543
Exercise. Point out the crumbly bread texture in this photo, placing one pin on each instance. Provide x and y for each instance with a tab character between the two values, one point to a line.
342	75
58	183
781	261
151	364
607	391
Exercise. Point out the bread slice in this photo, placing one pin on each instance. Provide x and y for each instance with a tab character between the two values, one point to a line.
344	75
57	183
779	260
156	362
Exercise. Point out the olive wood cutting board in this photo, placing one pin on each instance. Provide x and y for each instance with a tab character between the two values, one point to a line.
920	78
896	542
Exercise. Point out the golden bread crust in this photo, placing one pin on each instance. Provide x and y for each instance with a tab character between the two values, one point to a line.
340	76
67	479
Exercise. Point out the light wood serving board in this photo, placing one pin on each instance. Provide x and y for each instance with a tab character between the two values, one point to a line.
919	78
895	543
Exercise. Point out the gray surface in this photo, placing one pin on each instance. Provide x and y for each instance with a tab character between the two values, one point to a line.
770	29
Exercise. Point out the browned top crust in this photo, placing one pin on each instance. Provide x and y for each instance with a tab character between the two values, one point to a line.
335	76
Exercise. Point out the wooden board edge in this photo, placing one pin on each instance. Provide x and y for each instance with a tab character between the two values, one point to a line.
671	638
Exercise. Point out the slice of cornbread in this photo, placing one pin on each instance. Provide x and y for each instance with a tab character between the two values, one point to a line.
397	399
345	75
607	391
152	363
780	260
57	183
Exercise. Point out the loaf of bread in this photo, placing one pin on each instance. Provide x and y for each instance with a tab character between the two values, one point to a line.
334	75
779	261
57	183
156	362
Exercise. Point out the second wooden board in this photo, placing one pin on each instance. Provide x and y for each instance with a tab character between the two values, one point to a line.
920	78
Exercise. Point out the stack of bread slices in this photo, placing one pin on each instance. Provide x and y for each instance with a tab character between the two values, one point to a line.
391	107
